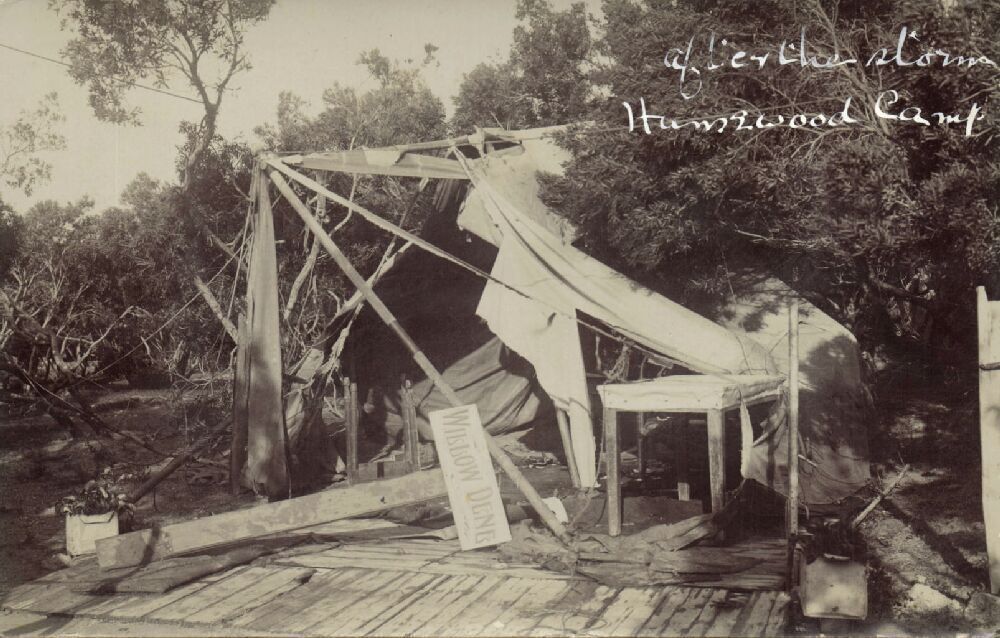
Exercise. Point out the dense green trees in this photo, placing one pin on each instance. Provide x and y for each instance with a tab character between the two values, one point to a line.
886	225
543	82
116	287
119	43
10	234
398	110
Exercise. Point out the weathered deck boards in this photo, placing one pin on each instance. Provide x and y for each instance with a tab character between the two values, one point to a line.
419	588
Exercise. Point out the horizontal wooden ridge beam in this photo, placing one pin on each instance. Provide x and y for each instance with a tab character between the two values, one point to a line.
381	162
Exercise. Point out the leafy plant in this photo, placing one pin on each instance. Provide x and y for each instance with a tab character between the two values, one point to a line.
97	497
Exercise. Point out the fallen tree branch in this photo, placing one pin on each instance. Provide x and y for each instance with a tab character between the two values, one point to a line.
60	409
213	303
901	293
180	459
87	413
878	499
307	267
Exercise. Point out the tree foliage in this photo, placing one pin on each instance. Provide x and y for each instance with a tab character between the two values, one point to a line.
10	236
399	109
886	225
103	293
542	82
120	43
46	299
34	132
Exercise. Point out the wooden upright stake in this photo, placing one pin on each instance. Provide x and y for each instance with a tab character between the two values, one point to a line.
793	433
352	418
988	319
681	461
498	455
411	436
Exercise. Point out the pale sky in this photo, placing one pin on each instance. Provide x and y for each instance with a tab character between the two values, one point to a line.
304	46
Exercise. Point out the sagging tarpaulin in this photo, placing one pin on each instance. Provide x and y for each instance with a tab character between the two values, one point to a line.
548	281
506	400
266	469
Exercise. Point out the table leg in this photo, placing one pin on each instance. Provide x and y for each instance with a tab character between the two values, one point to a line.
613	460
716	458
681	462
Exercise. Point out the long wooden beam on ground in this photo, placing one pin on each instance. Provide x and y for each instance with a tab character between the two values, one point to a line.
148	545
498	455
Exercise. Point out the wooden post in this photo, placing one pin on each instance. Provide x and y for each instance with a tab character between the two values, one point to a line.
681	462
411	437
351	421
792	516
567	442
988	320
613	461
716	458
376	303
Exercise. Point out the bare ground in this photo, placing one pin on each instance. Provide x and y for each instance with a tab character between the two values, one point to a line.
926	542
40	463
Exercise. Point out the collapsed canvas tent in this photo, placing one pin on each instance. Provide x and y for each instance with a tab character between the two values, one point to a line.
495	294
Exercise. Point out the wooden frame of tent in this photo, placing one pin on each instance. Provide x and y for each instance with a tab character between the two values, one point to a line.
272	170
403	162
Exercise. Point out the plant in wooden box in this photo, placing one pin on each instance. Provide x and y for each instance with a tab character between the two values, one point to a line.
93	514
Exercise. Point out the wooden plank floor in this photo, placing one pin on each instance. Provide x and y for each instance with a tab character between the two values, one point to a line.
418	588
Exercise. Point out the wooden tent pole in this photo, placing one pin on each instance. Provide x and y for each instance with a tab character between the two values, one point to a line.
988	321
793	433
501	458
241	433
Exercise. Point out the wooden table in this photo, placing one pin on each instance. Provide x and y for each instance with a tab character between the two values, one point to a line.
680	394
